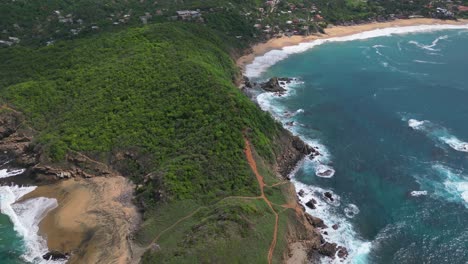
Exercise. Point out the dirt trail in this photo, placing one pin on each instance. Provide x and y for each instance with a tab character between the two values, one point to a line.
253	165
194	212
261	183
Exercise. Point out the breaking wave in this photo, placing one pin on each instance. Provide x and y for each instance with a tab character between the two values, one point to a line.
330	212
439	133
430	47
5	173
448	184
26	216
261	63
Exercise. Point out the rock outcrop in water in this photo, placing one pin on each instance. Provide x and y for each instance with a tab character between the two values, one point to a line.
273	86
55	255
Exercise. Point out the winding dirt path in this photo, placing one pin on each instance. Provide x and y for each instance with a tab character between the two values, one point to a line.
261	183
194	212
253	165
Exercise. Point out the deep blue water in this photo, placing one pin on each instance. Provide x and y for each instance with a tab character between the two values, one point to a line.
359	98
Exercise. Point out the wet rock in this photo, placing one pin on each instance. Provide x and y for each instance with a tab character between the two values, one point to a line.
286	79
247	82
291	123
310	204
55	255
328	249
302	147
342	252
301	193
329	196
273	86
335	226
315	221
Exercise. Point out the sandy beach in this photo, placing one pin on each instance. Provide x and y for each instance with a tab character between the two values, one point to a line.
93	220
338	31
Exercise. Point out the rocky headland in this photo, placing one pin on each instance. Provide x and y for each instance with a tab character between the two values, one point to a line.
95	217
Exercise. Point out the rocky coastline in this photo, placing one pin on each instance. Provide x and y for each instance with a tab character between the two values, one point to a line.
309	245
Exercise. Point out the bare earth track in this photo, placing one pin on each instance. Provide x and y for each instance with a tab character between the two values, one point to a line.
259	177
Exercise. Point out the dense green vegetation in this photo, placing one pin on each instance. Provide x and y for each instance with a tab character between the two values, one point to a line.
161	97
41	22
157	103
165	90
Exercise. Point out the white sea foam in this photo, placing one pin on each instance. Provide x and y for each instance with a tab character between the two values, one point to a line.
455	143
439	133
328	210
431	46
324	171
261	63
418	193
299	111
454	184
5	173
415	124
26	216
427	62
351	210
331	214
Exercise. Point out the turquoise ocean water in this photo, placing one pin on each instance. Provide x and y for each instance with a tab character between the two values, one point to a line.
19	220
390	115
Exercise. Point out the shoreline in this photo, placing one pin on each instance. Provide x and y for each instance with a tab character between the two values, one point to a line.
298	251
337	31
90	213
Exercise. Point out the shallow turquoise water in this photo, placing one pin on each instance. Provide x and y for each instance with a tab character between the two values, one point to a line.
11	245
359	99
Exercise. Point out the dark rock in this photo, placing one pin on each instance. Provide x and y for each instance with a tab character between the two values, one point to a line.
325	233
315	221
302	147
273	86
285	79
310	204
55	255
247	82
301	193
329	196
328	249
335	226
342	252
291	123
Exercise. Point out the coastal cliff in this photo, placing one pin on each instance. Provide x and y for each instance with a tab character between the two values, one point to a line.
178	135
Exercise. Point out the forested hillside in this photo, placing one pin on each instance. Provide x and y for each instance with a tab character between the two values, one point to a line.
240	21
134	87
159	105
